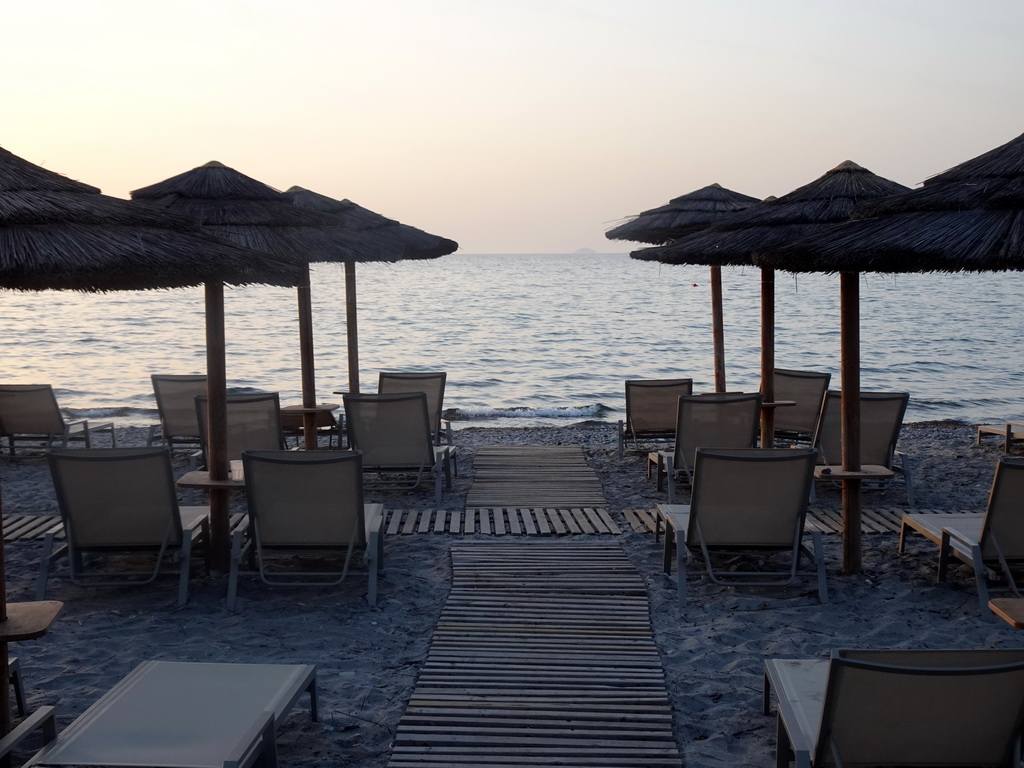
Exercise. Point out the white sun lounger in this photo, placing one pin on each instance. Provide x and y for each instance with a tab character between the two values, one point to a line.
185	714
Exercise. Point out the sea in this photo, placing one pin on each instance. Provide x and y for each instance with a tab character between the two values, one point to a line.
530	340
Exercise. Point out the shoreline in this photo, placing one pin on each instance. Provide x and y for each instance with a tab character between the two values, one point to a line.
368	659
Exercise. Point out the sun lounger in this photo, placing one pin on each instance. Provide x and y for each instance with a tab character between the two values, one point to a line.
118	501
899	708
169	714
29	413
651	406
307	503
991	542
719	420
745	501
1010	432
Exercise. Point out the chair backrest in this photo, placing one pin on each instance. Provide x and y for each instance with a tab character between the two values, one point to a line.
922	707
390	430
176	403
430	383
717	420
29	409
305	498
1003	529
806	389
881	416
651	404
254	422
750	497
116	497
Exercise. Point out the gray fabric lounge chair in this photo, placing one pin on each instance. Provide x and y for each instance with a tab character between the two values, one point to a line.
431	384
992	542
173	714
795	424
306	503
120	501
881	417
325	424
176	405
899	708
29	414
651	406
393	434
705	421
254	423
746	501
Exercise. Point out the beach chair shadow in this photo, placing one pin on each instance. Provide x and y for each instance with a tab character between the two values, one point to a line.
881	417
176	406
306	503
29	414
720	420
430	383
795	424
254	423
651	406
899	708
116	502
393	434
992	543
749	501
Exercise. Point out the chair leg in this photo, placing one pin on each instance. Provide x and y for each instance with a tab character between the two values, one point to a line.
44	564
185	567
819	561
236	558
14	672
372	550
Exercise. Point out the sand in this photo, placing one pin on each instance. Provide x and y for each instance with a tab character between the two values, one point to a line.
367	659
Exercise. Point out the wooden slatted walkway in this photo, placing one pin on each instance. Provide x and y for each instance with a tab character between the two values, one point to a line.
534	477
543	655
818	519
514	522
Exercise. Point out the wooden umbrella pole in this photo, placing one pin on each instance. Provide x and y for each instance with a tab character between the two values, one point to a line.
217	429
768	356
306	357
718	328
351	327
849	313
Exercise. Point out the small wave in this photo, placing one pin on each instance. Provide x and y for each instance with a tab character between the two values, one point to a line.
138	414
525	412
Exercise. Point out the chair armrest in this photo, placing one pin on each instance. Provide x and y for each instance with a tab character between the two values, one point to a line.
43	719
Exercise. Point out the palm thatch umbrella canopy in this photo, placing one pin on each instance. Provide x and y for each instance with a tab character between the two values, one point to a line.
251	214
681	215
685	215
248	213
56	233
969	218
380	239
828	199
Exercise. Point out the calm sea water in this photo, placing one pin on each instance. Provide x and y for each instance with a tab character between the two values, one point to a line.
531	339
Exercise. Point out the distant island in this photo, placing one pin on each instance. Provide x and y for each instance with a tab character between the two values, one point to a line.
584	250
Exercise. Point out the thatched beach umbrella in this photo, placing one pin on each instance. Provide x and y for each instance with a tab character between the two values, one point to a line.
380	239
829	199
685	215
60	234
969	218
247	212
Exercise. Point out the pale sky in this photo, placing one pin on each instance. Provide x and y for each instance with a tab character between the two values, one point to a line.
511	126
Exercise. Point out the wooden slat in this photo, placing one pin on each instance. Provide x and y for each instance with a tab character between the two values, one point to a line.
543	655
